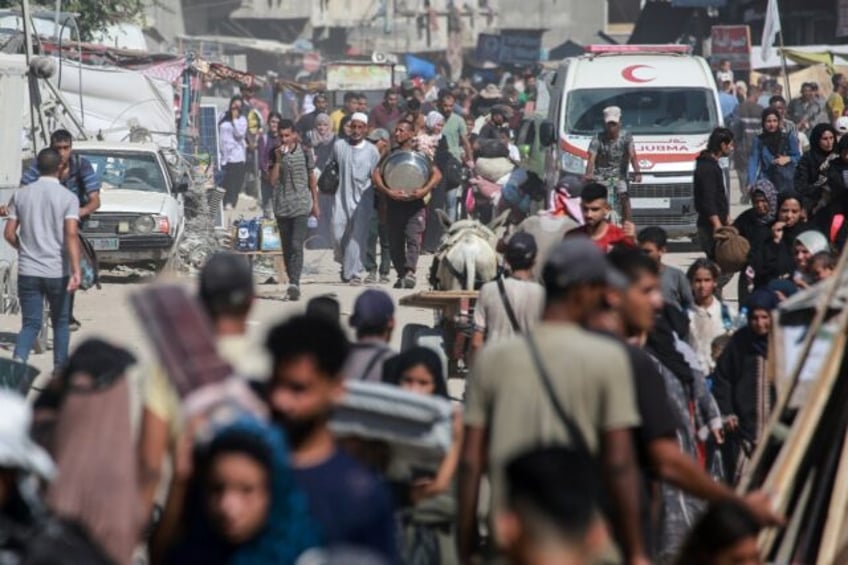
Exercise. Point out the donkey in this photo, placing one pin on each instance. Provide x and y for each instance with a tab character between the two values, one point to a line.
466	257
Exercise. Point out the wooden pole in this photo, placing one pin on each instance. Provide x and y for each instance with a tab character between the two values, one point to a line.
788	91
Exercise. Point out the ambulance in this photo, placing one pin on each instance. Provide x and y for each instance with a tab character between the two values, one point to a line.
669	103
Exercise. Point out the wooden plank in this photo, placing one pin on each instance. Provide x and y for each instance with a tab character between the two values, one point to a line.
778	413
793	528
783	473
437	298
835	525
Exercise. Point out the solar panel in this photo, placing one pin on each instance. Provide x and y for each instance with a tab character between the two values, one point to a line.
207	127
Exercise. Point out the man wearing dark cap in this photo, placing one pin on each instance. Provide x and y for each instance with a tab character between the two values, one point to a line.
547	519
373	319
226	293
497	122
526	297
557	384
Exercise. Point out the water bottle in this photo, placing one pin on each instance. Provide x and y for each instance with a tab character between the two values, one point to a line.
742	318
312	222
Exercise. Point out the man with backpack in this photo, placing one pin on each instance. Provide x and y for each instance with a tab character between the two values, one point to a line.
77	175
294	198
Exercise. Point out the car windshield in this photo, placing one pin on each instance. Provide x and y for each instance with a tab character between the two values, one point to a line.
644	111
130	171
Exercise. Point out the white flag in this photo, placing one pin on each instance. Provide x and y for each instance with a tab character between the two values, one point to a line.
770	29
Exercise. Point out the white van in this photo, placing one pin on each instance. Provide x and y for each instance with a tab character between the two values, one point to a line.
669	103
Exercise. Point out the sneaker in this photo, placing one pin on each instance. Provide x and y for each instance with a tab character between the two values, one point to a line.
409	281
74	325
355	281
385	279
371	278
398	284
293	292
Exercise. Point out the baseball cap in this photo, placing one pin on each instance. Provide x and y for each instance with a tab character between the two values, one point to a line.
226	280
576	260
378	134
724	76
612	114
842	124
521	249
373	309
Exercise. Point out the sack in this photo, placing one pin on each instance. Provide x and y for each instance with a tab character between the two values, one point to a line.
247	235
328	182
731	250
493	169
89	271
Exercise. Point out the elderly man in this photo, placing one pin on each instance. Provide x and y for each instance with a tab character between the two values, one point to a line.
356	159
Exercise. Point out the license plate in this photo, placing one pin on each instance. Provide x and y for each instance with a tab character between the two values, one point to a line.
105	243
652	203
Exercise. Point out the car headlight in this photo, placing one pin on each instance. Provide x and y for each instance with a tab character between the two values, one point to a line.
144	224
571	163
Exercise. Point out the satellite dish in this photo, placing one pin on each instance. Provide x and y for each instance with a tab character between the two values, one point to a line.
379	57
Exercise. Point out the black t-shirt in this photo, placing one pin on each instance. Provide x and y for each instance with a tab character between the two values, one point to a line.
657	422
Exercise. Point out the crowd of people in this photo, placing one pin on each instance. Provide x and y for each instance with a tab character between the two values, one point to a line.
372	227
613	400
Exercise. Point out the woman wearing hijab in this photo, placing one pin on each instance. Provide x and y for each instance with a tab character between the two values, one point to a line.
775	258
754	224
429	520
232	130
811	174
244	507
830	219
774	154
266	144
743	391
321	139
807	244
434	141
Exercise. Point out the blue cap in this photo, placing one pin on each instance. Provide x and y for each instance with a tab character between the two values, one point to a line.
373	309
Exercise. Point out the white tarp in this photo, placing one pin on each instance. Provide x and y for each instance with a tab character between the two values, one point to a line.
113	100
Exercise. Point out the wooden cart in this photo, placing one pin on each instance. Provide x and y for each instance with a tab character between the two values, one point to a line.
453	313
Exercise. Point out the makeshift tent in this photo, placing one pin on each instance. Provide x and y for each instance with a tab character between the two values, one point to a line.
802	457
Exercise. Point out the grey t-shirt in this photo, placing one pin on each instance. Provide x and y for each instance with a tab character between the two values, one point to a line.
527	299
675	287
41	210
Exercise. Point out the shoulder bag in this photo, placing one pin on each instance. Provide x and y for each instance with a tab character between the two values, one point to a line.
328	181
578	441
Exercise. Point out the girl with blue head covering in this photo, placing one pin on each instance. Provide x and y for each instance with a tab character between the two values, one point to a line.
244	506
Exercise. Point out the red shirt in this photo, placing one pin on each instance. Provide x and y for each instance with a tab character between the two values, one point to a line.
612	237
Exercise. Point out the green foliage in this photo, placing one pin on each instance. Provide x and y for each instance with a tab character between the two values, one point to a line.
93	15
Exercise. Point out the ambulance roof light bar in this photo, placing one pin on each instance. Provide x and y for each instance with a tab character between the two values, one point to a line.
673	48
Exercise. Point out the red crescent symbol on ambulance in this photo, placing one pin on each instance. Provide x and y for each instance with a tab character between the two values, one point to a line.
629	74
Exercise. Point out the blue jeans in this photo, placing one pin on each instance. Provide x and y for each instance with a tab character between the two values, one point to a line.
32	291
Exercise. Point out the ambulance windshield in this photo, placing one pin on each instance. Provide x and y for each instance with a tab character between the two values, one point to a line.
644	111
